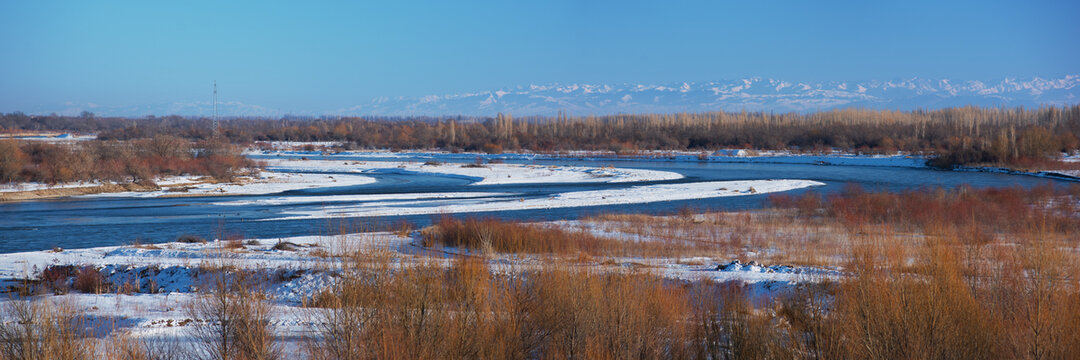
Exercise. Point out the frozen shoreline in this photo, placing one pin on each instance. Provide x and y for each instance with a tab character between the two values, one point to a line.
292	174
485	174
721	156
631	195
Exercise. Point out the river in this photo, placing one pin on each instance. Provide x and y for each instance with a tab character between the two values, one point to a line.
114	220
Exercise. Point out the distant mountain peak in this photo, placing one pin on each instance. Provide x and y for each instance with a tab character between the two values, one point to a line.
751	94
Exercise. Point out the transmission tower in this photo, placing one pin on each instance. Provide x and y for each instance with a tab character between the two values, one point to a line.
216	131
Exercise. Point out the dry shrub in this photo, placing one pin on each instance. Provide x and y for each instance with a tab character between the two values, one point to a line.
56	278
427	311
373	310
403	228
89	280
1033	290
1011	209
724	324
884	312
42	330
233	318
233	244
615	315
494	236
775	236
127	347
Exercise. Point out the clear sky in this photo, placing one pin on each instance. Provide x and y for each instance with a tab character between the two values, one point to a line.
316	55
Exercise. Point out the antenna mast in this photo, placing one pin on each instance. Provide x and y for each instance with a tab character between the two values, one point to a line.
215	110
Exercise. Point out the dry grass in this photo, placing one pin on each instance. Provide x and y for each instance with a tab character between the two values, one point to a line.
127	347
777	237
233	317
89	280
465	311
43	330
489	236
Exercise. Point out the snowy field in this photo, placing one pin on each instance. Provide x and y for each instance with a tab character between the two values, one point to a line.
34	186
164	279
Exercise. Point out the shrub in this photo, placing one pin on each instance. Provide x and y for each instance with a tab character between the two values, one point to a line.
56	277
43	330
466	311
233	319
491	235
89	280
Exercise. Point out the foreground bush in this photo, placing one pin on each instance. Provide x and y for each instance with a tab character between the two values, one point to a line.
233	318
466	311
41	330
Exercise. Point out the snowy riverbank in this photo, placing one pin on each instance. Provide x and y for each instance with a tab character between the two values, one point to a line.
162	281
479	202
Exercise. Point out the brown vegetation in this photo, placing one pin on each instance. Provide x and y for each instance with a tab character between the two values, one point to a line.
233	317
967	135
989	210
89	280
138	161
466	311
42	330
494	236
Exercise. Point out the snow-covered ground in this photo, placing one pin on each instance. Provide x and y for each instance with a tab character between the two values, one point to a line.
166	278
486	174
51	137
732	155
505	202
294	174
267	182
33	186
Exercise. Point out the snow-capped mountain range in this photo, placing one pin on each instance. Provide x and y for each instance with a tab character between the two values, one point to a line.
751	94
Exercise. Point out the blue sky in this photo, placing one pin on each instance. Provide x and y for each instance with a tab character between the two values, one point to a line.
321	55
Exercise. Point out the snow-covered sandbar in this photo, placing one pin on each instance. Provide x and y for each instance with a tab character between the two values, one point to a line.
630	195
484	174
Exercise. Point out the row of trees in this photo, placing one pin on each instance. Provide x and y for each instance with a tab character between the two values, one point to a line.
959	135
137	161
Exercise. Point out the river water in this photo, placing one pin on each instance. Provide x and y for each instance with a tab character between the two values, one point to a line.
104	221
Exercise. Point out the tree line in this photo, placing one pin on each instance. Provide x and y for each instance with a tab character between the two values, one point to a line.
136	161
963	135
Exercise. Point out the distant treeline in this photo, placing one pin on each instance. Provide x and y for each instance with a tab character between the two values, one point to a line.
136	161
956	135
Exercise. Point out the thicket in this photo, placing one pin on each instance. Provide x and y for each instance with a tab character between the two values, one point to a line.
965	135
985	211
488	236
137	161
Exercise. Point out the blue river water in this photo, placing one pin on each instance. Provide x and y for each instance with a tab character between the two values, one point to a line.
104	221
